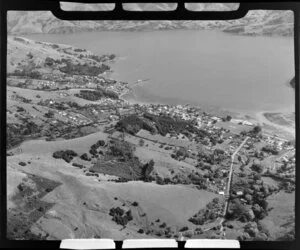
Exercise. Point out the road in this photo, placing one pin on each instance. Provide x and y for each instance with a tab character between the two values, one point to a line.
181	237
227	194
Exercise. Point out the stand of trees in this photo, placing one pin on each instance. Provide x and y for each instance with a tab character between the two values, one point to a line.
95	95
66	155
146	171
120	216
83	69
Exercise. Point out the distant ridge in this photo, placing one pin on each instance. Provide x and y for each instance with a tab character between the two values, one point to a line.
259	22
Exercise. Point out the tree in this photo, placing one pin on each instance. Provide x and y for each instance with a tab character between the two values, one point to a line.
147	169
257	167
257	129
49	61
49	114
238	210
181	152
85	157
141	142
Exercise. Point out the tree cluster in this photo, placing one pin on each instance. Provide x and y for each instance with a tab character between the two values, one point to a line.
83	69
95	95
66	155
120	216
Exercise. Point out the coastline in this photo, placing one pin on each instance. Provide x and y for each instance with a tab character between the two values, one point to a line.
279	122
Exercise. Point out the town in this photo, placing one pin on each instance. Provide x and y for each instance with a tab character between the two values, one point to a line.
229	158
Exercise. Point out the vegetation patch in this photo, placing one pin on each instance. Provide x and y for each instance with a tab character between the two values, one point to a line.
17	133
96	95
66	155
119	160
120	216
212	210
29	208
83	69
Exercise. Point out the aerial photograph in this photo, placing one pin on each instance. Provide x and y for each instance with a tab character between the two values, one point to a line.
139	129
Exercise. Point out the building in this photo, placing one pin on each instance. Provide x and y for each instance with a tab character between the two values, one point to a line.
239	193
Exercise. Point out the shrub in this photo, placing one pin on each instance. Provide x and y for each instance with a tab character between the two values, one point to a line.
141	142
129	215
257	167
49	61
181	153
135	204
163	225
77	165
257	129
147	169
49	114
22	163
270	149
140	231
93	151
85	157
183	229
119	217
66	155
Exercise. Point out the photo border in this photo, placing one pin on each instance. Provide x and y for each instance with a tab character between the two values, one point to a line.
118	14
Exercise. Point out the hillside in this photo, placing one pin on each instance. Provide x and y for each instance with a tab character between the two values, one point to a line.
59	103
259	22
84	163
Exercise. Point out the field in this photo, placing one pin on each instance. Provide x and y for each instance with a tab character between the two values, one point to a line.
81	203
233	127
41	147
164	163
281	219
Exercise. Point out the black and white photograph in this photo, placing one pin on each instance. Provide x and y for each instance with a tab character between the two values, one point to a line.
142	129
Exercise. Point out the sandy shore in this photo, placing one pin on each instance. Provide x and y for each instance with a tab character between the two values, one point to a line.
281	122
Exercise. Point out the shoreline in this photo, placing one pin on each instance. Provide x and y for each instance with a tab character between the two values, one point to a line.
277	120
274	121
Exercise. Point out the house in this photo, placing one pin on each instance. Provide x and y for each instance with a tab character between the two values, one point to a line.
243	200
247	123
215	118
239	193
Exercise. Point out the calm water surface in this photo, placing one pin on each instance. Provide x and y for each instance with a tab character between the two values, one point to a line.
239	73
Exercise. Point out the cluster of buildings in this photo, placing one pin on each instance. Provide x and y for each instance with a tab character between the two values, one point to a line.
74	118
45	83
119	88
277	143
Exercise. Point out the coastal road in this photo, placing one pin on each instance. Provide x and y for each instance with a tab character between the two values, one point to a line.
227	193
